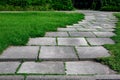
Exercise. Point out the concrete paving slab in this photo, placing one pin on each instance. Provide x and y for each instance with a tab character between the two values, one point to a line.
100	41
56	34
86	67
42	41
104	34
72	41
42	68
81	34
67	29
92	52
17	53
8	67
12	77
57	53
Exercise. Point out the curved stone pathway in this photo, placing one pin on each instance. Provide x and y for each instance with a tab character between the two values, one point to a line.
69	53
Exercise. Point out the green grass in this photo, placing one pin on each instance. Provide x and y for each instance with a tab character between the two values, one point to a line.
114	60
17	28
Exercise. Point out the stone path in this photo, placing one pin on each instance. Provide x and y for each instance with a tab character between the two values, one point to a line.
69	53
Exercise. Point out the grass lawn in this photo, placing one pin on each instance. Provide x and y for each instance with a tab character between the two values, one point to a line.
16	28
114	60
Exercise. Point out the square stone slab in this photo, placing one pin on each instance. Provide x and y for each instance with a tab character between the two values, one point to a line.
8	67
57	34
86	67
81	34
20	53
72	41
59	77
104	34
67	29
42	68
92	52
42	41
12	77
100	41
57	53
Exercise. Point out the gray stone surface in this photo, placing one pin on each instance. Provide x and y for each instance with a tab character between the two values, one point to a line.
72	41
12	77
104	34
57	34
92	52
57	53
105	30
8	67
82	34
86	67
60	78
17	53
42	68
100	41
85	29
107	77
107	26
42	41
67	29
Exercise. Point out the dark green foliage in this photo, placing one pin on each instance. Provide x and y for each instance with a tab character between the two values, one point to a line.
36	5
110	5
106	5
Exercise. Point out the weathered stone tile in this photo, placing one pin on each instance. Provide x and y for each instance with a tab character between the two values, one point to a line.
92	52
20	53
72	41
42	68
42	41
86	67
67	29
8	67
12	77
57	34
57	53
100	41
82	34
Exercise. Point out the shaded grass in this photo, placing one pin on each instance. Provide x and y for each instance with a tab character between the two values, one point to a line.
114	60
17	28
